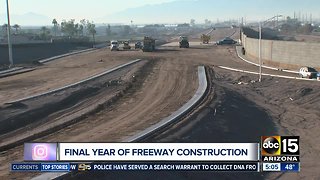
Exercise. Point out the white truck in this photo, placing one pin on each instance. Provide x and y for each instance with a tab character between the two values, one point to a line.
114	45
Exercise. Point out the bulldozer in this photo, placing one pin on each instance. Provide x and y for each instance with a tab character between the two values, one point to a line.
149	44
205	38
126	45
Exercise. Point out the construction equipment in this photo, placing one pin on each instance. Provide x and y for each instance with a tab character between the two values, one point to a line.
126	45
149	44
114	45
138	45
183	42
205	38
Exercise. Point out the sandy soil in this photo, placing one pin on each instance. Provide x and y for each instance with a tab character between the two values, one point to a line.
64	107
294	107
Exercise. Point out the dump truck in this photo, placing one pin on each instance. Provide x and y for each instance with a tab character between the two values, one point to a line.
149	44
183	42
205	38
126	45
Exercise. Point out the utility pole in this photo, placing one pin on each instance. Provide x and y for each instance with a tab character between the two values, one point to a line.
275	18
260	34
9	37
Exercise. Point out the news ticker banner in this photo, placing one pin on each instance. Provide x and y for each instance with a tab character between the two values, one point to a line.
141	152
275	153
137	166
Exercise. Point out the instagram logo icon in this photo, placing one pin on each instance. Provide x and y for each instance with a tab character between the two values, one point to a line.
40	151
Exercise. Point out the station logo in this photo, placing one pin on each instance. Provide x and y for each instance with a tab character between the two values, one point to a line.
280	148
271	145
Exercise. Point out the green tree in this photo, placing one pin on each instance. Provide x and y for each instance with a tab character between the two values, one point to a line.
16	26
83	27
55	26
69	27
45	32
192	22
4	29
126	30
76	26
207	22
109	32
91	30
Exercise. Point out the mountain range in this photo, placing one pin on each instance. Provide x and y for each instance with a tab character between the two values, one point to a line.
184	10
28	19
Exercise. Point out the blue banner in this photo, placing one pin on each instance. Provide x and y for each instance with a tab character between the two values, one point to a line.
292	167
30	167
138	166
55	167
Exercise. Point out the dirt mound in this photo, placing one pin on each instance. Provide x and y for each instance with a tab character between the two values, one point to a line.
304	91
244	80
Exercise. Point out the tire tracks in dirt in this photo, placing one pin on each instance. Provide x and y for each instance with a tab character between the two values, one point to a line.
162	92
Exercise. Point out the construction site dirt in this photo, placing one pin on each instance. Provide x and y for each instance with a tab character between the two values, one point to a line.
237	112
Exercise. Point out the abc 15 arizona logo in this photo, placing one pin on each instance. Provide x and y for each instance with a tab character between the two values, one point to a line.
283	148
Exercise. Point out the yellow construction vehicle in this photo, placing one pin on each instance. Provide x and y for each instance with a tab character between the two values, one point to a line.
205	38
126	45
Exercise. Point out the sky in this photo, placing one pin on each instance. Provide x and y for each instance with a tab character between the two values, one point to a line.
71	9
103	11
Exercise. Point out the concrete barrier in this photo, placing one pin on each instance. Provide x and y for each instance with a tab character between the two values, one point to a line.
28	53
10	70
15	72
283	54
65	55
242	57
264	74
